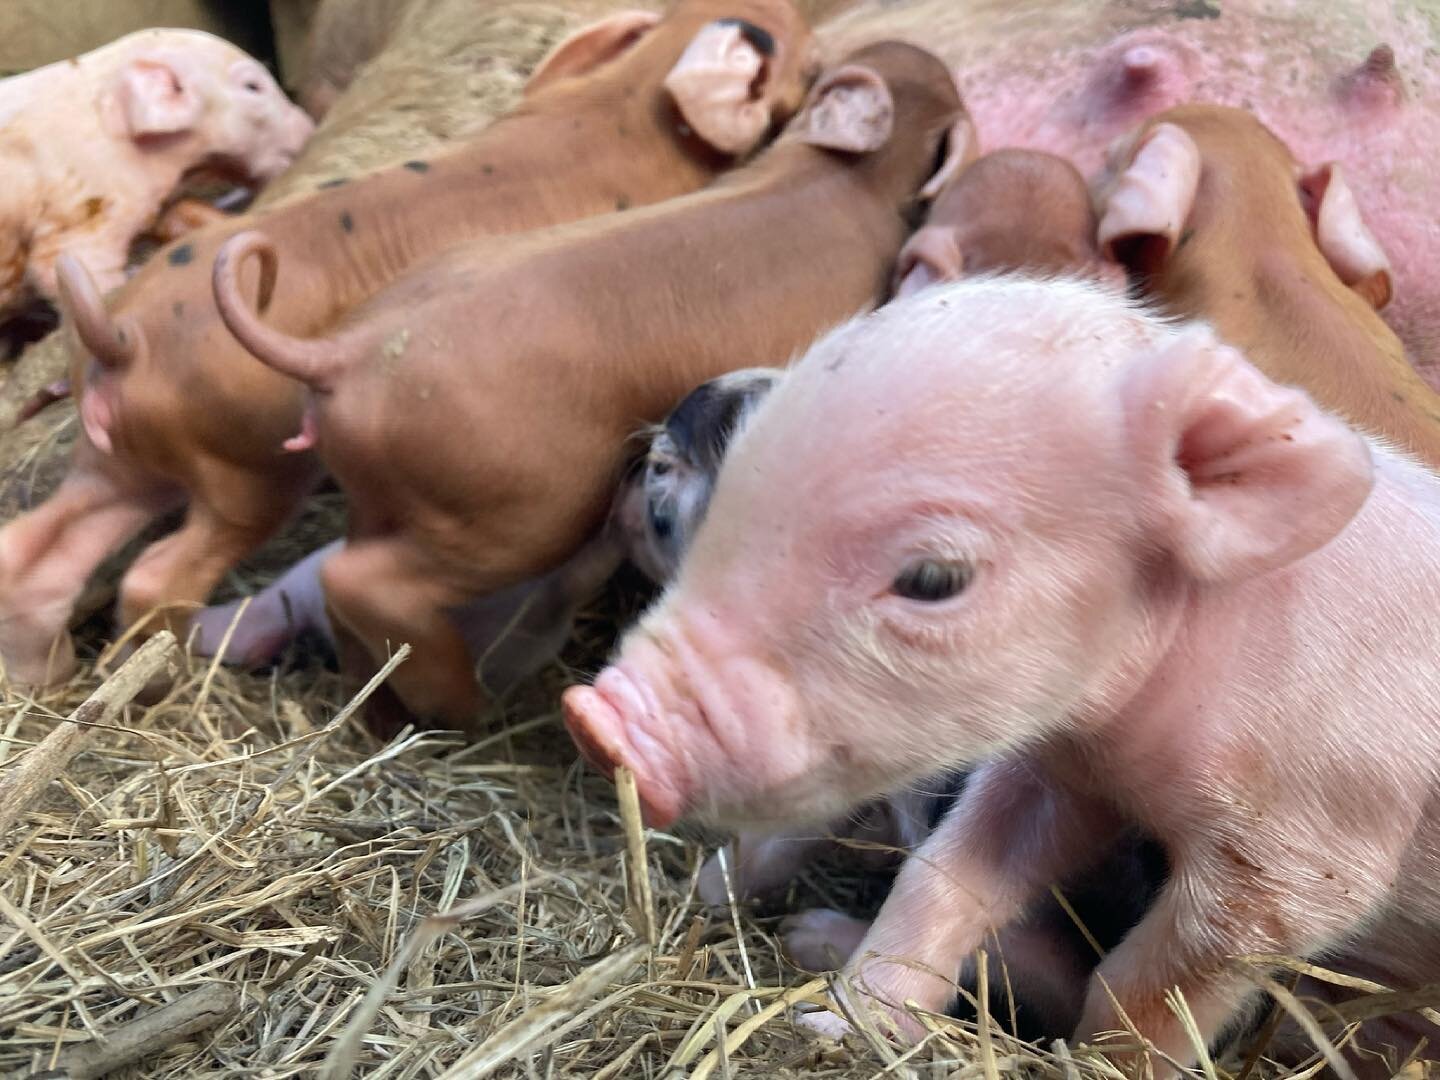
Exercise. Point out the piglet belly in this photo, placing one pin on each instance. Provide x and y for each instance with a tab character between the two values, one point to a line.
1347	81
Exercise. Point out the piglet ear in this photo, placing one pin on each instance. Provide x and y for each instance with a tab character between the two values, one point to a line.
931	255
1245	476
850	109
586	49
718	84
1145	210
158	99
961	148
1342	236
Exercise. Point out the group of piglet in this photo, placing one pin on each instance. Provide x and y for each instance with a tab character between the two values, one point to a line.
1104	556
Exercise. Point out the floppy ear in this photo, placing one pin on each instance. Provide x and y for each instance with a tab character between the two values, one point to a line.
850	109
1342	236
961	148
158	99
719	84
589	47
1145	210
1243	476
932	254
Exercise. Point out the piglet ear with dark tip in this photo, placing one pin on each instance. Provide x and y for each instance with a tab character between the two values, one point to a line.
1144	210
961	148
1342	235
851	110
719	85
590	47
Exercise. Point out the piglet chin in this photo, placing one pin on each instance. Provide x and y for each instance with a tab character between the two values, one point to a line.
604	738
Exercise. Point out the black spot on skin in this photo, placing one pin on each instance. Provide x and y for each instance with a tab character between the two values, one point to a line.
182	255
1397	395
178	308
339	181
761	38
418	166
1197	9
622	203
346	221
488	170
1184	238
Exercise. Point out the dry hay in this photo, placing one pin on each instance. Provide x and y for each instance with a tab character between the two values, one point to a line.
240	879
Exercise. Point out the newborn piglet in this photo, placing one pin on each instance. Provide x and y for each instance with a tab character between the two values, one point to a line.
1009	210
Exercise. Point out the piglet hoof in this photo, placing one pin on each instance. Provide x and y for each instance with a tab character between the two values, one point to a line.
822	939
825	1023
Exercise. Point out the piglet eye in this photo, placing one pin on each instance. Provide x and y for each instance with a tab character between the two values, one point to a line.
933	580
253	86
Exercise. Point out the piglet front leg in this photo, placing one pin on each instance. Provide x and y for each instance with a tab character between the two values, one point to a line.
1010	836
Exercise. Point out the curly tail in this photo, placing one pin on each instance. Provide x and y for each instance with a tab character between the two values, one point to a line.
313	361
111	340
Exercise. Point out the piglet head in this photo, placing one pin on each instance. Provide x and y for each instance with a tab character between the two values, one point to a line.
897	110
192	90
743	72
957	527
1216	175
680	468
1010	210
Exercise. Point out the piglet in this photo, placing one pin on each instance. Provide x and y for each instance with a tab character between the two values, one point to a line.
514	633
1215	218
1095	554
92	147
426	398
1009	210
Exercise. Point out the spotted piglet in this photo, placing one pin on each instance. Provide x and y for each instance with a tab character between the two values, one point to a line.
1097	556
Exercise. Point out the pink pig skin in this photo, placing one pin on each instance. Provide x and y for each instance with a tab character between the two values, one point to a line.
1352	81
90	148
1189	609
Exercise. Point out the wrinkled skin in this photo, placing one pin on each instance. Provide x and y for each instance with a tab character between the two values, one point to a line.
186	417
437	522
1076	546
92	147
1249	212
1071	76
344	35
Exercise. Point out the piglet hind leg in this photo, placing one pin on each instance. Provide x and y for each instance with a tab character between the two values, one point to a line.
1008	838
378	599
46	556
1190	943
175	575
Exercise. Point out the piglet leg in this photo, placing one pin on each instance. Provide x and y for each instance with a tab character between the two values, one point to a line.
379	597
46	556
287	606
1010	836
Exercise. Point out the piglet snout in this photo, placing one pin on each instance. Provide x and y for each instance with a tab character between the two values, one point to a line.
608	722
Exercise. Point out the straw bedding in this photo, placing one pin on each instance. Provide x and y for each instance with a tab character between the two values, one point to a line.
241	880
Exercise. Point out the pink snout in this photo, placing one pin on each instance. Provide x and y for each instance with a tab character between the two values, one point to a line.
606	723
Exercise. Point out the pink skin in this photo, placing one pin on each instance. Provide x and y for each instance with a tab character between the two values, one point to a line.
92	147
1148	538
1071	75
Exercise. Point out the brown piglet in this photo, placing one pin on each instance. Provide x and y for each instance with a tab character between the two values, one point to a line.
427	400
1215	218
1009	210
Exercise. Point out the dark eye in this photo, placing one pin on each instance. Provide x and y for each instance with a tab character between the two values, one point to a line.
253	86
659	468
933	580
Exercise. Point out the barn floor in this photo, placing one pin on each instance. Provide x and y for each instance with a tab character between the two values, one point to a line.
304	899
